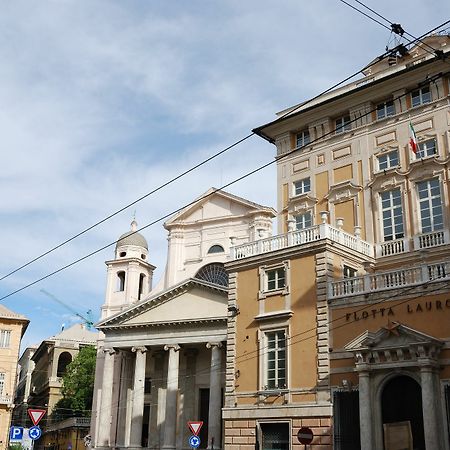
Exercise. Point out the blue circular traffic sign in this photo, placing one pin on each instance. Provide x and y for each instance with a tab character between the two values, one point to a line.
35	432
194	441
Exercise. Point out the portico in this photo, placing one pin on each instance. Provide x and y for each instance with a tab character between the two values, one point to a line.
158	365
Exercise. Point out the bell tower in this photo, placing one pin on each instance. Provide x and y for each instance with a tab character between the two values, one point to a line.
129	275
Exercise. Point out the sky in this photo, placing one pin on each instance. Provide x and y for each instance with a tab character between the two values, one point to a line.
103	101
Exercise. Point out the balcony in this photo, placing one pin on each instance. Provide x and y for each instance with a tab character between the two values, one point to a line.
420	242
299	237
393	279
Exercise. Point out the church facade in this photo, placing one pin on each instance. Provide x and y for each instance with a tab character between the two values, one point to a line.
161	355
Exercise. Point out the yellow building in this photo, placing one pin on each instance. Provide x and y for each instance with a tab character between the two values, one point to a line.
12	328
341	322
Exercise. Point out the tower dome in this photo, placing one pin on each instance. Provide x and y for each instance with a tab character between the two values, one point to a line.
132	238
132	244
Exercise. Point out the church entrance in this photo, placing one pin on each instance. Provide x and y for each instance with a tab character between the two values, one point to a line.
401	401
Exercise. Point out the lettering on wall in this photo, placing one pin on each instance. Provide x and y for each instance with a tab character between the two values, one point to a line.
420	307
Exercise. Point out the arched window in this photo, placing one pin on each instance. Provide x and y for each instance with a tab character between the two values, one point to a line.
120	281
64	360
141	285
213	273
216	249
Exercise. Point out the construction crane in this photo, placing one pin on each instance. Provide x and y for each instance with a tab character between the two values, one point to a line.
86	319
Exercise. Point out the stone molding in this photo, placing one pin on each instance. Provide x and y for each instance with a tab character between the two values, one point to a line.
139	349
174	347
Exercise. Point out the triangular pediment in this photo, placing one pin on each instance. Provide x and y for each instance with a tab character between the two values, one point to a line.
214	204
392	336
191	301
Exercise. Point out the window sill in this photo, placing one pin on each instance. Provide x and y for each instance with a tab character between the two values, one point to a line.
425	158
285	314
273	392
265	294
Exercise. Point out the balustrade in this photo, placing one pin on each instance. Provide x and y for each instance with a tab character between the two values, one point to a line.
392	279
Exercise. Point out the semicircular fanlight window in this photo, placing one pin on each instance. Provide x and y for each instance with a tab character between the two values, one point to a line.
216	249
213	273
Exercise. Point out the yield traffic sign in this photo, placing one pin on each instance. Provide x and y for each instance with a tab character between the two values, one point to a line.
36	415
195	426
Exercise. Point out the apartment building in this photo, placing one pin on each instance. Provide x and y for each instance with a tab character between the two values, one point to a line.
341	322
12	328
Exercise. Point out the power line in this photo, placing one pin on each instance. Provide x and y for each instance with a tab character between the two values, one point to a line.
182	174
236	180
396	27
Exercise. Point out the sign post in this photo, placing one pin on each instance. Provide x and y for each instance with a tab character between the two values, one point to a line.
195	426
305	436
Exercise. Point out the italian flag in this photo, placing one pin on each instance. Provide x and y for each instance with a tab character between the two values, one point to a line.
412	138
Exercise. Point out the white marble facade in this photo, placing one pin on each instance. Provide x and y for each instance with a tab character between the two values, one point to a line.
161	355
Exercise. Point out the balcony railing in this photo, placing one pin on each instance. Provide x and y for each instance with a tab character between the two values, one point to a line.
420	242
299	237
392	279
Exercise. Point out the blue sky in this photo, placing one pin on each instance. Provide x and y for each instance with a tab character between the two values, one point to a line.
102	101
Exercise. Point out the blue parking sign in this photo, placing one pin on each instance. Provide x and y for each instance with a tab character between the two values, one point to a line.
16	433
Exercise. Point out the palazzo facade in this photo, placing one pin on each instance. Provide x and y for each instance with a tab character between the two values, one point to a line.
161	357
341	322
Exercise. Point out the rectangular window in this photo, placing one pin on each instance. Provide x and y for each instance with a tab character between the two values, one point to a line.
388	160
426	148
303	220
430	203
5	338
302	138
276	279
349	272
2	382
275	352
302	186
392	215
421	96
274	436
343	124
385	109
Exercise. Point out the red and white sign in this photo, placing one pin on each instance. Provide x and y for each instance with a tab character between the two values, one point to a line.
305	435
36	415
195	427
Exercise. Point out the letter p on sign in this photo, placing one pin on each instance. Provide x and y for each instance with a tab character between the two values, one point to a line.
16	433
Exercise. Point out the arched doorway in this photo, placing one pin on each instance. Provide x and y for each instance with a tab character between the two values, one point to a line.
401	400
65	358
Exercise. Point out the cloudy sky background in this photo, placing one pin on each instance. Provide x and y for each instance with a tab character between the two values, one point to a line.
102	101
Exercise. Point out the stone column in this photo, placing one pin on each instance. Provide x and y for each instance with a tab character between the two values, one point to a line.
104	422
365	411
215	396
430	408
137	411
170	425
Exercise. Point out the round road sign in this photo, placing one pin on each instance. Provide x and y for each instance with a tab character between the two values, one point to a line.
194	441
34	432
305	435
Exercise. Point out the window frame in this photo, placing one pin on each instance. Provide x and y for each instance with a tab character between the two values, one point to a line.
2	382
303	215
385	109
423	150
305	187
5	338
394	234
264	332
388	157
342	125
429	199
264	291
419	94
305	138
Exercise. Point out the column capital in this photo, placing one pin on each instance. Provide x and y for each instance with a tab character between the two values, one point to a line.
109	350
139	349
214	344
174	347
